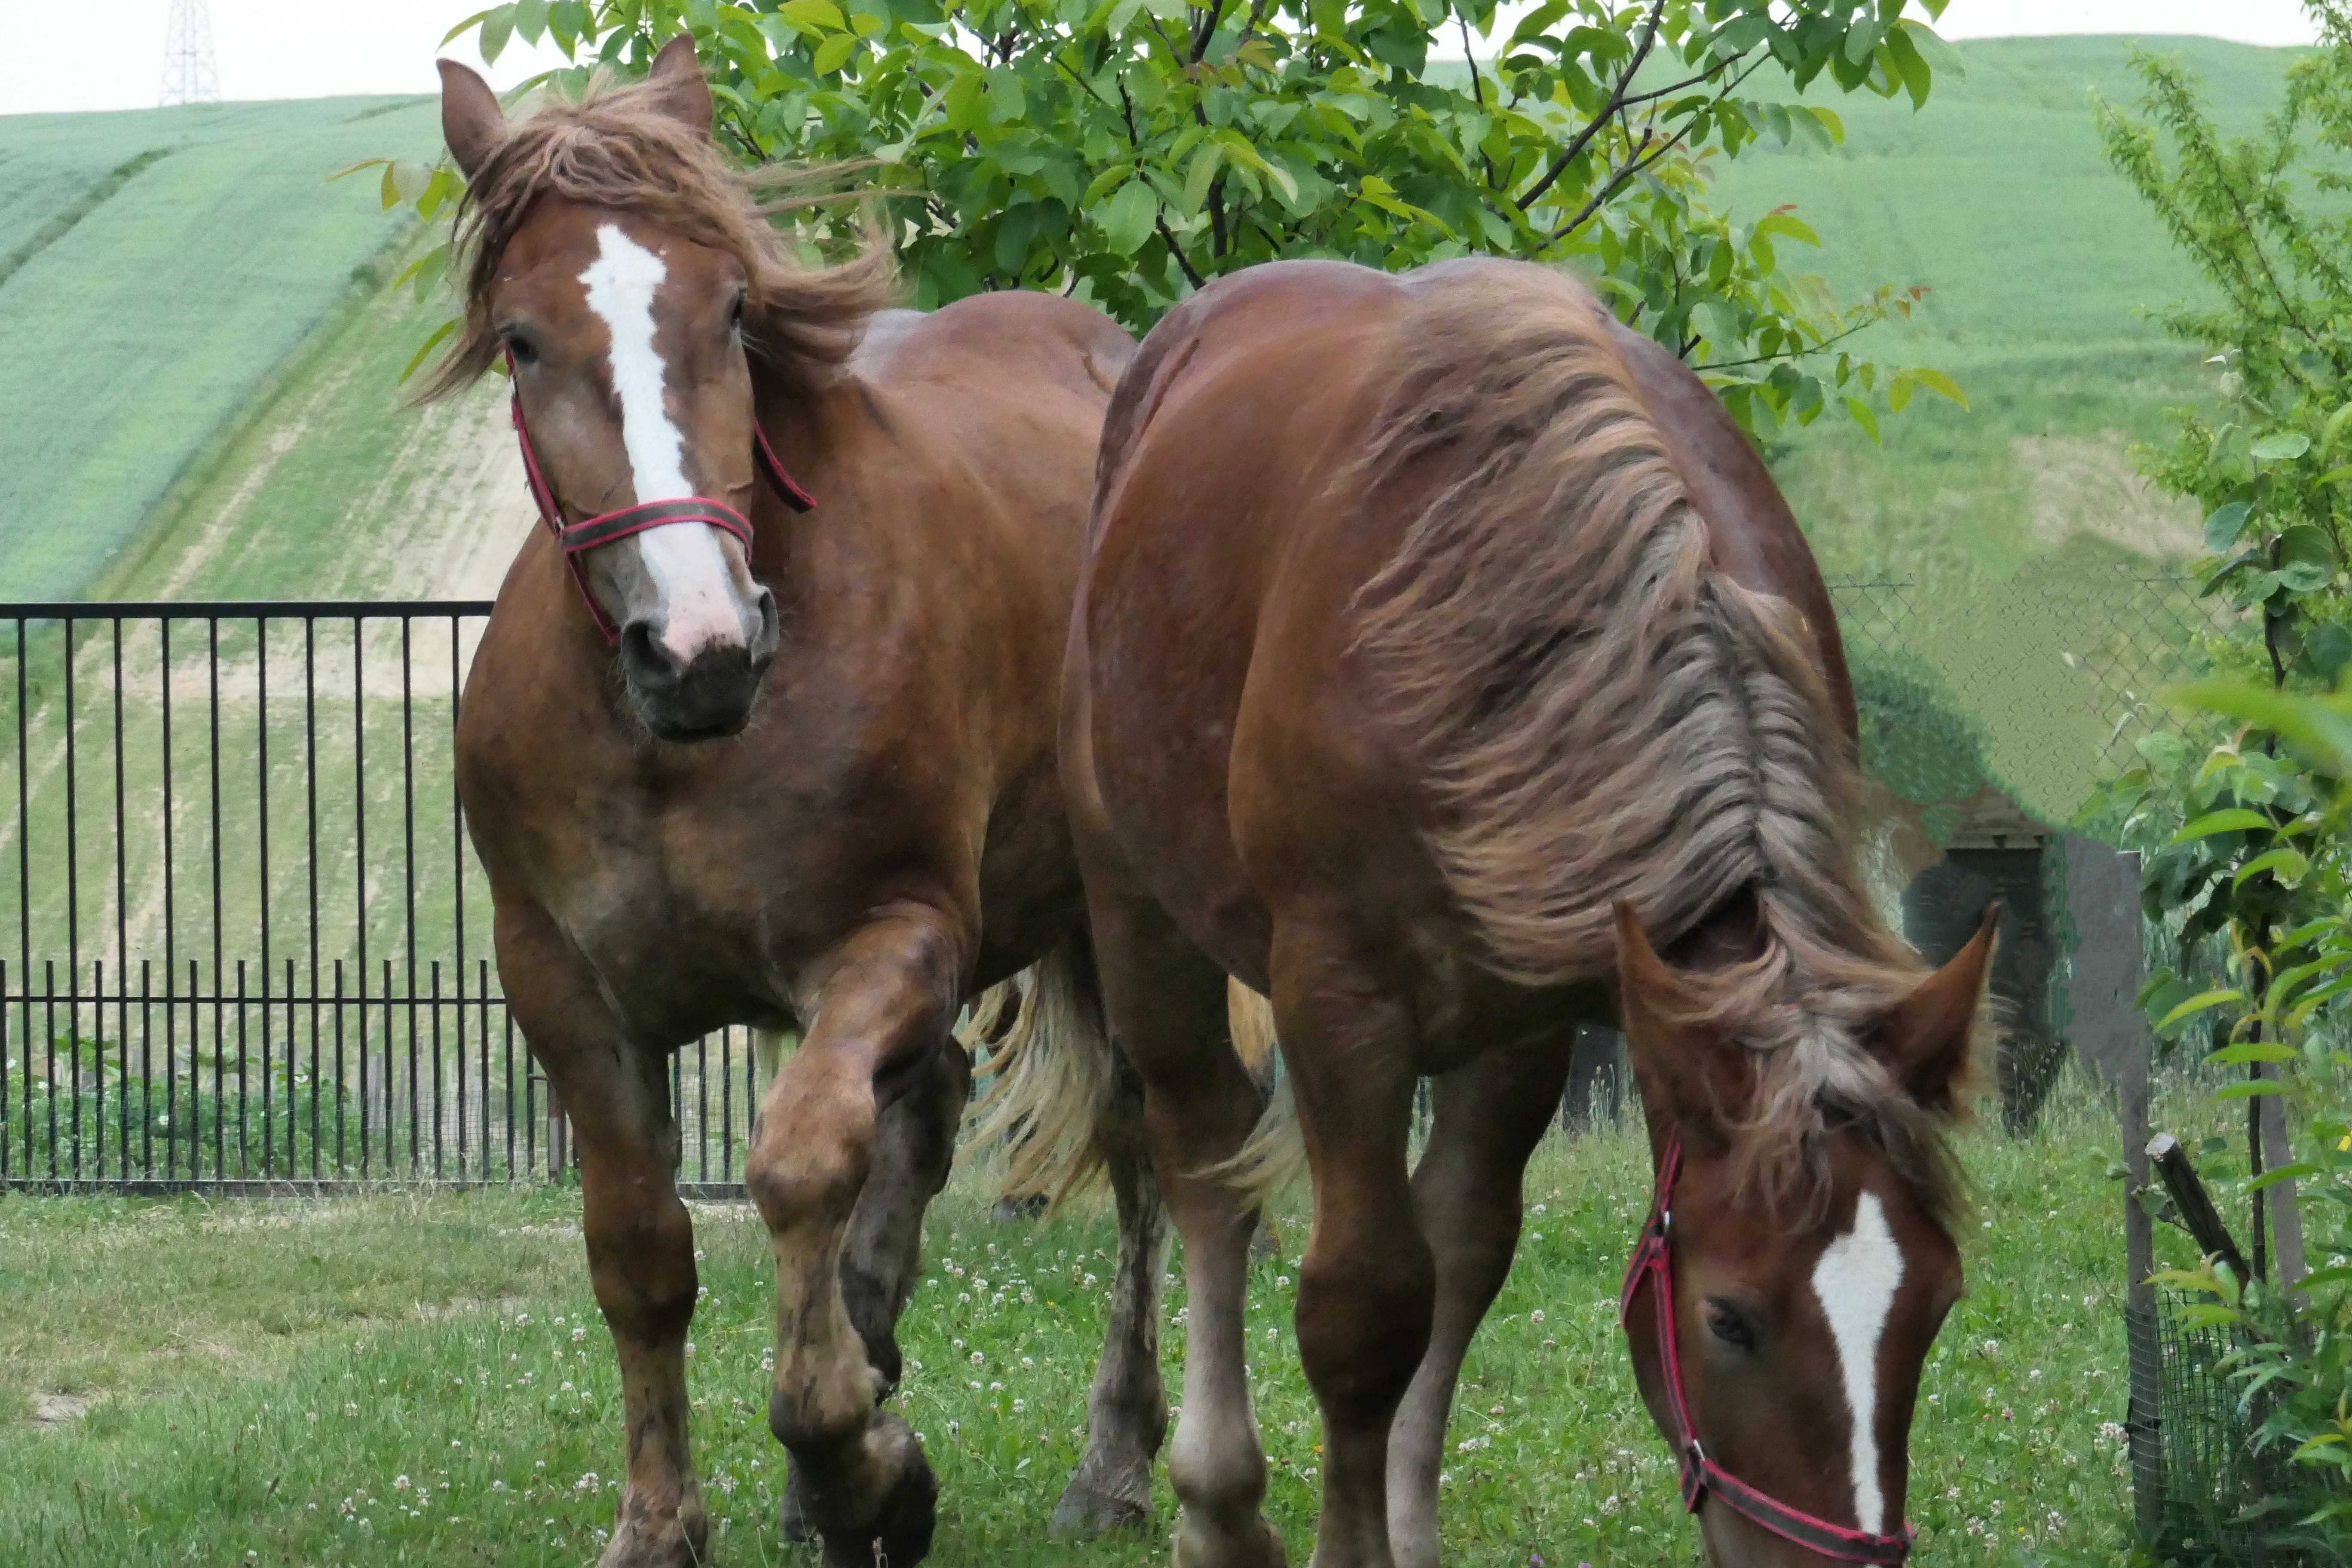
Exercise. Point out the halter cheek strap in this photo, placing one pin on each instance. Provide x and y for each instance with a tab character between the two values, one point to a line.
576	539
1653	1265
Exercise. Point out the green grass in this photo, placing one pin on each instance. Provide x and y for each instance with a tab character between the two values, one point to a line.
259	1375
137	331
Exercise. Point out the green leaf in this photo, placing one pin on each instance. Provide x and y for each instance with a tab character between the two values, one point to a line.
2249	1090
2300	1171
530	19
474	20
812	15
2284	446
1942	385
1899	391
2221	529
1127	218
2306	544
1206	160
2286	863
2253	1051
2318	728
1790	224
2233	819
497	26
423	350
2196	1004
834	53
1863	415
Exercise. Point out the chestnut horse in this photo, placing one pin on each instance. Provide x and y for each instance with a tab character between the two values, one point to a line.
1447	668
730	760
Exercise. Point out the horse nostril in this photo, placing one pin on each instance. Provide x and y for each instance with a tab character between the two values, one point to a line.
648	664
765	639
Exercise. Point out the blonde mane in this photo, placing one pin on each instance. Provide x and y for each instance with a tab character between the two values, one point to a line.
615	147
1600	715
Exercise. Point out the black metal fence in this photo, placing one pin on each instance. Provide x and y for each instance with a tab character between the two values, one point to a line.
252	939
251	936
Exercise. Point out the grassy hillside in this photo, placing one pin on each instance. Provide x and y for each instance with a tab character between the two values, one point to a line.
1997	197
157	270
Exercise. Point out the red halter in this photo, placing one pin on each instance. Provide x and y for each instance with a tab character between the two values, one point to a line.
1652	1264
577	538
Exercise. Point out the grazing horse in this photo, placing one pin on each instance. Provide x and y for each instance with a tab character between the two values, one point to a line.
1447	669
763	732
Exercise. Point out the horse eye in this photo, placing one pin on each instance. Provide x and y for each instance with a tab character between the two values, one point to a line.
521	348
1725	1322
735	317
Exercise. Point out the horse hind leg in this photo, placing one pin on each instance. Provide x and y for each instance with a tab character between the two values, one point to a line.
1488	1118
1167	1004
1127	1410
1065	1103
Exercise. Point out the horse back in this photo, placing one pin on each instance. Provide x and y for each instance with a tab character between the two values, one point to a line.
1242	753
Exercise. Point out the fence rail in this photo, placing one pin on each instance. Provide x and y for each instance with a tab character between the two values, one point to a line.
249	924
248	919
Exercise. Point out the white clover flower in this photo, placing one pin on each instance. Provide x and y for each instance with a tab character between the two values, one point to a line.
587	1483
978	1359
579	1334
1537	1316
400	1483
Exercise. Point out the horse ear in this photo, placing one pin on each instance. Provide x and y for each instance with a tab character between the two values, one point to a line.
1926	1044
1687	1070
471	121
676	84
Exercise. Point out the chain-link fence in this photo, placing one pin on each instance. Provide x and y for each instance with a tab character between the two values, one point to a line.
2039	686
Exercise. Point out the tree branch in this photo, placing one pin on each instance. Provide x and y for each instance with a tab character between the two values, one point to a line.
1206	28
1786	355
1159	221
1608	110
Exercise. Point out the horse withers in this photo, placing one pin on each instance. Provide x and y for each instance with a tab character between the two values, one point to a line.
762	732
1447	668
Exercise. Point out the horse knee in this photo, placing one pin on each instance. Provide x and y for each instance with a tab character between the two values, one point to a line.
1364	1318
641	1264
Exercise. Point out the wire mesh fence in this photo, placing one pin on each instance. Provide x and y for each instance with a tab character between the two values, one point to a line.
2053	677
2221	1499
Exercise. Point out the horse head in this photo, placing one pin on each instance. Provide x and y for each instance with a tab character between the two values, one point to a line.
624	329
1798	1316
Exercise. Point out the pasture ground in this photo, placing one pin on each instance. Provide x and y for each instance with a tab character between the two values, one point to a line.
409	1378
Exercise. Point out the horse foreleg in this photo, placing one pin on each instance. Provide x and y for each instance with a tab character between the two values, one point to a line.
640	1238
914	1146
1368	1283
886	1000
1488	1118
1127	1413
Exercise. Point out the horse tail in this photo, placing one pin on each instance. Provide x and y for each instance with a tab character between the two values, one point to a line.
1274	1156
1052	1076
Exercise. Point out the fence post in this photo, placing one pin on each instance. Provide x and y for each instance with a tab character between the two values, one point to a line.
2111	1038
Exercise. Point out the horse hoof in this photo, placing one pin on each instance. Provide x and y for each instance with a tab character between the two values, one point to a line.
1087	1511
900	1535
792	1514
1257	1545
668	1543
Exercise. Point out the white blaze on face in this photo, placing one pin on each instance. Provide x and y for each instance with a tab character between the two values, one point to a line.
1856	1279
684	560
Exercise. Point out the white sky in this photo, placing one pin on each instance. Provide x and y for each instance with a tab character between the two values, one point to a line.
108	54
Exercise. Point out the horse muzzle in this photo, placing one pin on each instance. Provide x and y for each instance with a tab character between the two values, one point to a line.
706	697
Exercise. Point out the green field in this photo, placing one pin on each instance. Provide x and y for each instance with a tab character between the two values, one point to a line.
254	1378
141	330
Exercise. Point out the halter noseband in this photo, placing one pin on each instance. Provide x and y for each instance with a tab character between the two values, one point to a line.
1653	1265
576	539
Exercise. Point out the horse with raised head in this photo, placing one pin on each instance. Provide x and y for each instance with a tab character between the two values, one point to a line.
1447	668
763	732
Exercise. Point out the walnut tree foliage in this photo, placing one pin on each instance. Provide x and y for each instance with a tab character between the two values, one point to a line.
1128	150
